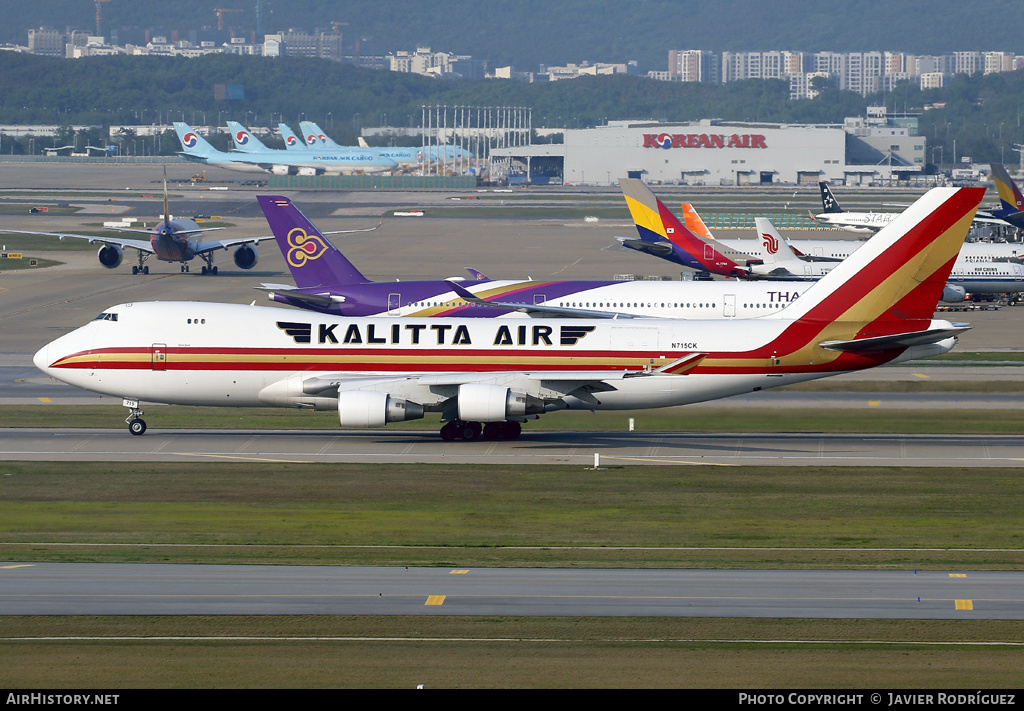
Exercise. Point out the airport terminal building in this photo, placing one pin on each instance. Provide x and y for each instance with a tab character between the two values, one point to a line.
713	152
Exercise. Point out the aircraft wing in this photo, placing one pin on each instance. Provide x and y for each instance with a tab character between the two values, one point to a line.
226	243
577	382
540	309
203	247
141	245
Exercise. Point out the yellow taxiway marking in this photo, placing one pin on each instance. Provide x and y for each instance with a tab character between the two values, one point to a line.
458	572
921	375
11	567
435	600
45	399
964	604
958	575
874	403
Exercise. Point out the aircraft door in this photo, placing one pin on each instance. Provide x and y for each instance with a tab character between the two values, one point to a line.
394	304
730	305
158	356
539	299
709	252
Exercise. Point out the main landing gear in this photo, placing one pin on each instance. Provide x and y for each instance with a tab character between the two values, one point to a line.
469	431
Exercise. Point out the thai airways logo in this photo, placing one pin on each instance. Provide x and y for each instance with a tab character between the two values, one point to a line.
304	247
242	137
189	140
771	245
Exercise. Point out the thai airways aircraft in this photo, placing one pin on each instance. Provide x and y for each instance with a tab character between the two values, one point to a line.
327	282
486	376
278	162
173	240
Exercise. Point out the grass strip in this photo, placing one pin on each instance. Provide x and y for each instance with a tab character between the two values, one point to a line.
486	652
556	516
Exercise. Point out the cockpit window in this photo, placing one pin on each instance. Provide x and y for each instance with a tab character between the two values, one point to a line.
106	317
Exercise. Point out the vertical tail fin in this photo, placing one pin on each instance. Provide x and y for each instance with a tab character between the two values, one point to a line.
315	136
192	142
775	250
291	141
655	222
828	200
1009	194
899	274
693	222
312	259
244	140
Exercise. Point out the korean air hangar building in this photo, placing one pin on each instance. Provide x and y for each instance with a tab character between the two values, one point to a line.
713	152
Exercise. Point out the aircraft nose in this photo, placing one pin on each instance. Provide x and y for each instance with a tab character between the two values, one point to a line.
42	358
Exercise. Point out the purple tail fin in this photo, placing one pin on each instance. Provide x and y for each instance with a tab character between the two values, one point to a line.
312	259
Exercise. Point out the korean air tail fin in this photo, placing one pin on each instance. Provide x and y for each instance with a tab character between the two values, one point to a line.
828	200
291	141
312	259
898	275
315	136
192	143
244	140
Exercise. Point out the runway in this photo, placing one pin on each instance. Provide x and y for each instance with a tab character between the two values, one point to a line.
112	589
533	448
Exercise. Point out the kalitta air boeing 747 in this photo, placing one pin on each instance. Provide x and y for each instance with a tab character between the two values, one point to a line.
486	376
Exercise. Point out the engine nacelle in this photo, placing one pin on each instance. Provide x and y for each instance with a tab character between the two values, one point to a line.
309	171
952	294
110	256
246	256
481	402
369	408
283	170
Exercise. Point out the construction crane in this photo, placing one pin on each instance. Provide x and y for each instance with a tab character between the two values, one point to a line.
99	4
336	25
220	15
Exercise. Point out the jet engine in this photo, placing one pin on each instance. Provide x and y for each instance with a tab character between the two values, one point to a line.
310	171
246	256
952	294
369	408
481	402
283	170
110	256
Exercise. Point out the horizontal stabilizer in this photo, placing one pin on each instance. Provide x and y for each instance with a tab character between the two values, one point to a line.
294	294
897	340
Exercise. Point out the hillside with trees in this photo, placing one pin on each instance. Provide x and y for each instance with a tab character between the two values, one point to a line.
526	33
982	114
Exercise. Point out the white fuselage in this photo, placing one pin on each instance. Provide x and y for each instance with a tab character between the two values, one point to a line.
194	353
